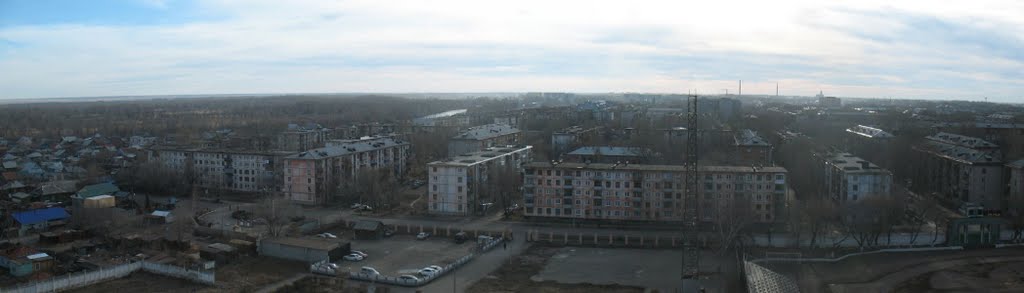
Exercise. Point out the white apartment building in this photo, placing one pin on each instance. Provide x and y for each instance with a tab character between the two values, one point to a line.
456	186
851	179
231	170
315	176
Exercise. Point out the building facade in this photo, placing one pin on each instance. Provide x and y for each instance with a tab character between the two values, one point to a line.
316	176
633	192
230	170
300	138
482	137
1015	184
961	169
849	179
458	185
568	138
751	149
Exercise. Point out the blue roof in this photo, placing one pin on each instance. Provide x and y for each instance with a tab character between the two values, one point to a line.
40	215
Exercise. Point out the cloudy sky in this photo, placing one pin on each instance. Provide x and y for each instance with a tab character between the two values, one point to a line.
867	48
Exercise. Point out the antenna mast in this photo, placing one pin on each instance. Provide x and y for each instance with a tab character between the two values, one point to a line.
691	250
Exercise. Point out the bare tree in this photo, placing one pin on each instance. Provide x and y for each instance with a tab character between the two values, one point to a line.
276	213
731	219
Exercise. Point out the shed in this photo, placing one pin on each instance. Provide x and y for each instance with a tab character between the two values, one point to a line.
20	196
309	250
161	217
369	229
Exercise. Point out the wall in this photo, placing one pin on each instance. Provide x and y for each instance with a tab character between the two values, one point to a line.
292	252
66	282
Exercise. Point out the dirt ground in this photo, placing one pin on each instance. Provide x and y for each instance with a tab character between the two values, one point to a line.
143	282
249	273
516	277
1005	277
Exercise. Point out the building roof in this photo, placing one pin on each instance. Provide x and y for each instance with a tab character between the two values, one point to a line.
58	187
161	214
368	225
665	168
487	131
961	153
853	164
97	189
869	132
961	140
749	137
473	158
40	215
1016	164
311	243
12	185
607	151
348	148
10	165
445	114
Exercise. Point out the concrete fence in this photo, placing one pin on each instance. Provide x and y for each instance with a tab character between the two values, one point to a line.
837	259
71	281
604	239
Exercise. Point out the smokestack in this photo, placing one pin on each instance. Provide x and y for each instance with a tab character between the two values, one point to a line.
741	88
776	89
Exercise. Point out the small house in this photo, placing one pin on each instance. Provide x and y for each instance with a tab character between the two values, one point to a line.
160	217
369	229
40	219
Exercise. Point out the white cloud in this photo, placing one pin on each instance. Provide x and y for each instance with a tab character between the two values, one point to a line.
411	46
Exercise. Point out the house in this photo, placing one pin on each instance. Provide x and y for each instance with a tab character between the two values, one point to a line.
93	191
369	229
14	257
40	219
57	190
10	165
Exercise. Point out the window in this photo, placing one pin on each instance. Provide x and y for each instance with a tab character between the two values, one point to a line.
460	179
577	175
460	188
558	172
548	172
854	187
577	201
626	184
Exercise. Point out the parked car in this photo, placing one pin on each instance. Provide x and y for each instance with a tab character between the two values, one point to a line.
327	235
461	237
409	278
435	267
360	253
331	265
369	271
356	205
422	236
427	272
389	233
353	257
417	184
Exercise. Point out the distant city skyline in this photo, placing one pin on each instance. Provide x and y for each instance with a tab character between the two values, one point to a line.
905	49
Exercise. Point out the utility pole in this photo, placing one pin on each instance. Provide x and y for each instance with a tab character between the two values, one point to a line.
691	248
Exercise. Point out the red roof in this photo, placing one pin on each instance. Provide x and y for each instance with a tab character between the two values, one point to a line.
10	176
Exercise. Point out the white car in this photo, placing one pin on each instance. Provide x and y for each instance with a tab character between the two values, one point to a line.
327	235
353	257
427	272
360	253
422	236
369	271
435	267
409	278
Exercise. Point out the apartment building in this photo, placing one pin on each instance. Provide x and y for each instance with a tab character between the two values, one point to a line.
316	176
850	179
961	169
482	137
751	149
608	154
457	185
300	138
634	192
1015	184
230	170
564	140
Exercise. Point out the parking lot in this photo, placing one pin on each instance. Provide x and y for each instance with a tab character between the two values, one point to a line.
403	254
635	267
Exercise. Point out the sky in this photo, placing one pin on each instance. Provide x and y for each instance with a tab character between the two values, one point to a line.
934	49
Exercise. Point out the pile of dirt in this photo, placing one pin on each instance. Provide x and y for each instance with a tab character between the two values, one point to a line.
516	277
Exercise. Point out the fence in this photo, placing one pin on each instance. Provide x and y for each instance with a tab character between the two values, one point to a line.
819	259
71	281
424	280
